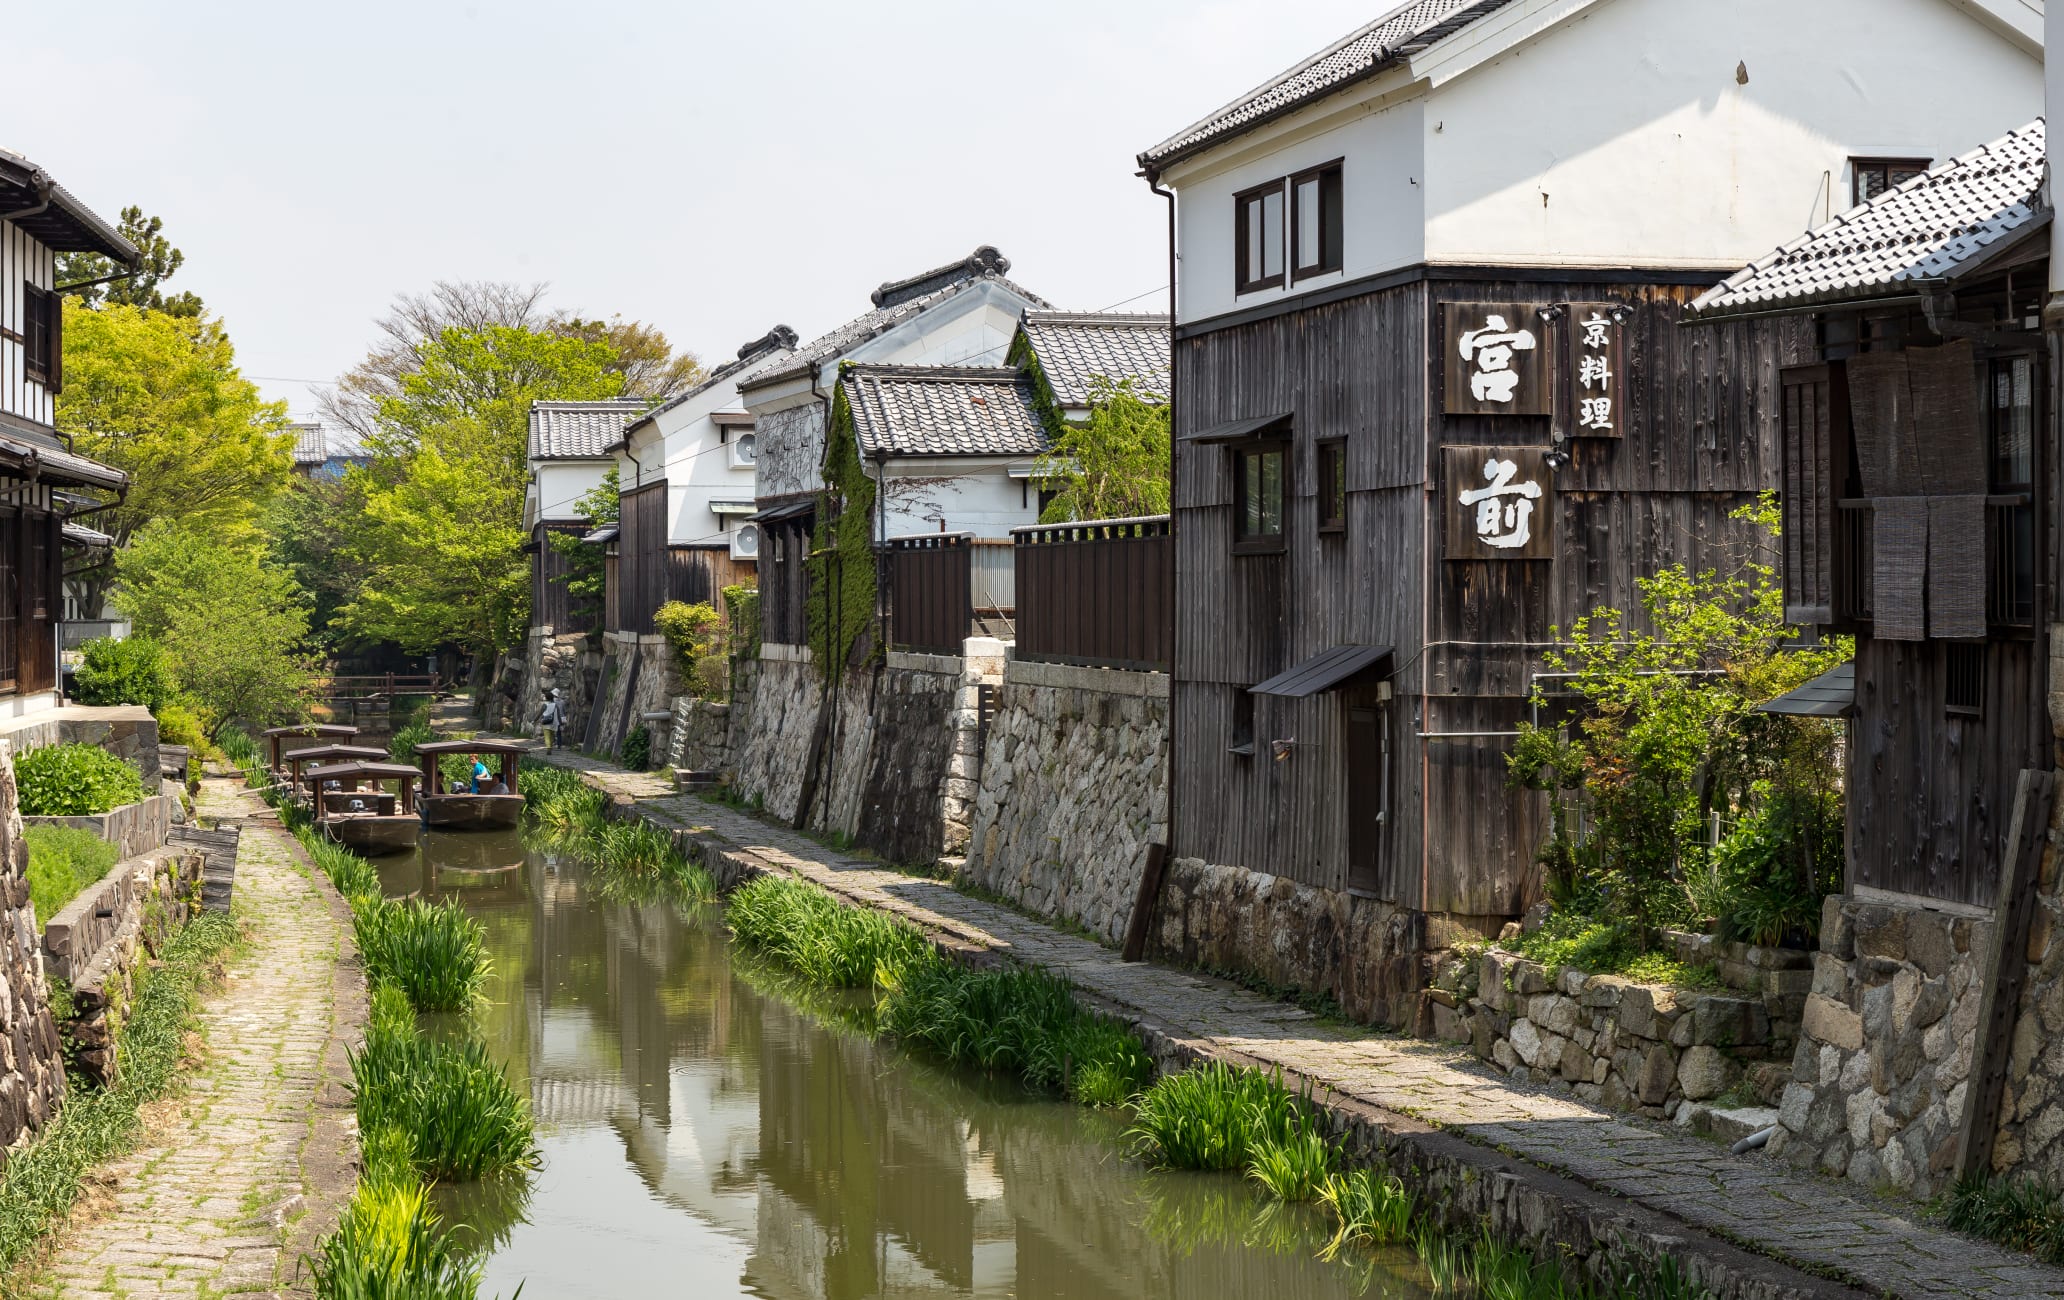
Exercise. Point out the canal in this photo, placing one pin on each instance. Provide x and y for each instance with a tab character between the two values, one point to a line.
706	1135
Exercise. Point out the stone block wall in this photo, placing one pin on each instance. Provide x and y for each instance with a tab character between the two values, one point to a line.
650	689
699	738
128	731
98	941
1072	786
1626	1046
565	663
134	827
32	1078
773	720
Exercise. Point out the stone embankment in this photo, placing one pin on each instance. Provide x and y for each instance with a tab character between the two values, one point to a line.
1535	1166
96	943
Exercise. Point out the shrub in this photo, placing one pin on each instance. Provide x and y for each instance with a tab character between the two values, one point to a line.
1777	866
179	724
694	632
742	603
433	952
132	670
63	861
74	781
401	746
637	749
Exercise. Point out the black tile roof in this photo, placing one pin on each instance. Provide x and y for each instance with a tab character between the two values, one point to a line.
1074	348
763	350
894	303
579	430
66	225
1389	40
944	411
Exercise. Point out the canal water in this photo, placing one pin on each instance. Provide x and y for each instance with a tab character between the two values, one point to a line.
710	1131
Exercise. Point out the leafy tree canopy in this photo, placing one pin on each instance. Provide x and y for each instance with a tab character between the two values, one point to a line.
1115	465
647	362
161	261
306	527
160	396
442	553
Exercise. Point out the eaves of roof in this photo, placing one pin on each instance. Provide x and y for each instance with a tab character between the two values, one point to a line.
67	224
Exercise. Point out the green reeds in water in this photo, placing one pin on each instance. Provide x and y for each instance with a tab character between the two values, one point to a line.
464	1119
390	1243
811	933
633	861
433	952
1214	1117
1368	1209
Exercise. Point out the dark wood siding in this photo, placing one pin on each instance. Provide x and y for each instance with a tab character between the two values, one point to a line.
1812	415
1699	440
1096	593
785	582
551	605
643	565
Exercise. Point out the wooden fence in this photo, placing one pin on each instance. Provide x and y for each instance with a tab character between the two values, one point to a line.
929	579
1099	592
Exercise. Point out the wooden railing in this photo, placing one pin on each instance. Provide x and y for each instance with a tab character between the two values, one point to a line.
377	685
1097	592
928	580
2009	561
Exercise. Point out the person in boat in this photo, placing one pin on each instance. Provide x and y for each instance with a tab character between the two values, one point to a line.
481	776
551	718
498	787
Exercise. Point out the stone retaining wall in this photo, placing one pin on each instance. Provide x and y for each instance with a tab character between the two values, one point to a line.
1072	787
128	731
32	1078
650	689
135	828
1627	1046
699	738
98	940
566	663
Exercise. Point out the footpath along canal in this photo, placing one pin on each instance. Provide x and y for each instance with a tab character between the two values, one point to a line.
710	1130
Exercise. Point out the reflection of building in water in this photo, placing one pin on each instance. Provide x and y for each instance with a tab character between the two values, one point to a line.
844	1170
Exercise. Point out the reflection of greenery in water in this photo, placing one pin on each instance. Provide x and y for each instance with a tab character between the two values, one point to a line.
843	1011
483	1214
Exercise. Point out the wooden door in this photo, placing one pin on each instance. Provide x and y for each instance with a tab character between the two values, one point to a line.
1368	792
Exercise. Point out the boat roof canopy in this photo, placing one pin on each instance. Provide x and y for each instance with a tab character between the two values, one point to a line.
321	752
483	746
313	729
400	771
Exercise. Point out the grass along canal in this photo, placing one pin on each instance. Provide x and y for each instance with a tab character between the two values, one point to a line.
712	1125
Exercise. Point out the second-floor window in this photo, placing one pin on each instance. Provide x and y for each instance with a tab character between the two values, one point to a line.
1870	177
1288	229
42	318
1332	458
1260	486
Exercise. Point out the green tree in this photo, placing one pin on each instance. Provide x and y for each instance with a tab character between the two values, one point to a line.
160	397
647	361
1114	465
160	262
234	627
1665	733
307	527
586	568
442	552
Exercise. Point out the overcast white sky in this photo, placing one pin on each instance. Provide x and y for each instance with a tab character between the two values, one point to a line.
711	168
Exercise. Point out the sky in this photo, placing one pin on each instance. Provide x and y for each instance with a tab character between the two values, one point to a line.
710	169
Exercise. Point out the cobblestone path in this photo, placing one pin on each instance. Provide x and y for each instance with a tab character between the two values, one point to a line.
1818	1224
218	1199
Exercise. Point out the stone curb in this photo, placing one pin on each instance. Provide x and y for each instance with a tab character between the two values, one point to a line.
1472	1184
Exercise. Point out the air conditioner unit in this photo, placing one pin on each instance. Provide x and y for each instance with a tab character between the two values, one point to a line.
745	543
745	449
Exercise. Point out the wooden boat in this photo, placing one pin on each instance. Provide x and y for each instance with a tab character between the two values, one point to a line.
292	773
365	818
496	807
329	731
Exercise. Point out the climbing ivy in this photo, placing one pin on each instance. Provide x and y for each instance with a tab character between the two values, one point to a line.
842	560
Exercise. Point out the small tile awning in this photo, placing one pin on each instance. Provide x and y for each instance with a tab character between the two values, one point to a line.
732	507
787	510
359	768
81	535
606	533
1830	695
1324	672
1254	426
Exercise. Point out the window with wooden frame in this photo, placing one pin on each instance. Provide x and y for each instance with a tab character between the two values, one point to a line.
1317	226
2010	477
42	321
1332	458
1243	723
1870	177
1258	237
1963	679
1261	473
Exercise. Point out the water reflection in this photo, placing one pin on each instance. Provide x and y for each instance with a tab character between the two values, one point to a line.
705	1135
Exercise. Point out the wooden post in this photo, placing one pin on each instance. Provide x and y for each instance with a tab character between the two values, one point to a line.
1143	906
2005	969
509	762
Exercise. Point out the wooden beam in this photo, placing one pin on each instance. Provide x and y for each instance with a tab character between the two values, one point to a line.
1143	906
2005	969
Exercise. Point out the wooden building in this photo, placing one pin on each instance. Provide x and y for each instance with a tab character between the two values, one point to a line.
1433	402
42	483
1918	501
570	455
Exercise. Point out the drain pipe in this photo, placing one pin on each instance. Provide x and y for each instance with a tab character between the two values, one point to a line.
1153	179
1753	1142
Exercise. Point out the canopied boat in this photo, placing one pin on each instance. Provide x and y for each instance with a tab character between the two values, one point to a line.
328	731
476	804
296	762
353	810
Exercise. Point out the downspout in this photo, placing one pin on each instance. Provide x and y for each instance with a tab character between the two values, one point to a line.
1153	178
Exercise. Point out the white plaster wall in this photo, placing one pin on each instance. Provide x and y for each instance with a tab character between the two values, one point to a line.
561	484
972	328
1622	136
1382	193
1616	133
971	497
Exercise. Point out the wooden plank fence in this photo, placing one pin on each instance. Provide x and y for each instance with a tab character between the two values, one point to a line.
1097	592
929	580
